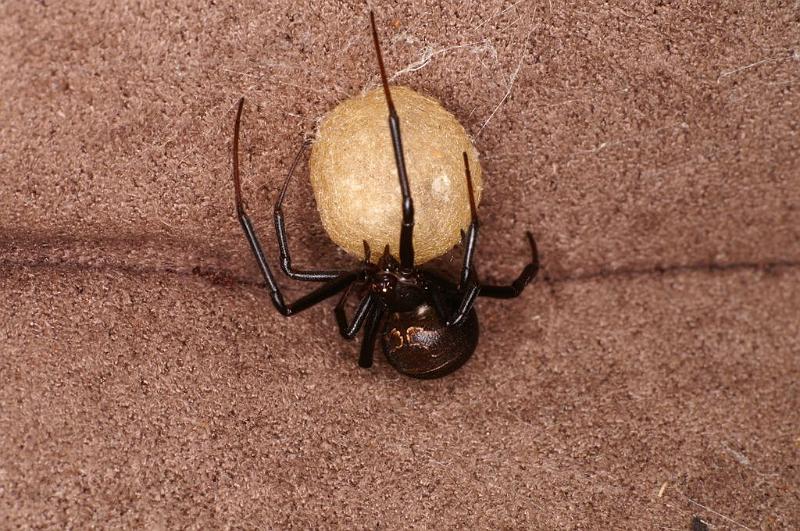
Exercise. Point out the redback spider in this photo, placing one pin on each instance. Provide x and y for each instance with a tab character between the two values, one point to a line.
427	323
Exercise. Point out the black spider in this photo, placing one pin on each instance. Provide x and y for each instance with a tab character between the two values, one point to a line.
430	327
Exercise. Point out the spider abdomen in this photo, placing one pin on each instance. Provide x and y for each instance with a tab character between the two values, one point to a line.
417	343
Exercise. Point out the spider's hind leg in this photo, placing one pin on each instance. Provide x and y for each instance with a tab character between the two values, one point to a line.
349	330
370	335
369	313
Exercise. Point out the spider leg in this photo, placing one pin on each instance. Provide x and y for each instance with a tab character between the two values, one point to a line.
468	297
349	330
283	240
468	286
407	229
438	304
471	238
515	288
474	288
330	288
370	334
437	285
367	252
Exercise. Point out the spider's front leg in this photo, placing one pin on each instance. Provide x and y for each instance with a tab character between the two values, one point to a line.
335	283
469	286
283	240
525	277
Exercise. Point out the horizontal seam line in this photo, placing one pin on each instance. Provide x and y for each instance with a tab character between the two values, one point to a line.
223	277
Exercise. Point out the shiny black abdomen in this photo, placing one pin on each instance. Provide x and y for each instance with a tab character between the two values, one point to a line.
417	343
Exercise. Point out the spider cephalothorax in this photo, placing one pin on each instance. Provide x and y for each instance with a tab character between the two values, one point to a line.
427	323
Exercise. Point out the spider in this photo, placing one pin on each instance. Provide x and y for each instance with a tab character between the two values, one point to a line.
427	323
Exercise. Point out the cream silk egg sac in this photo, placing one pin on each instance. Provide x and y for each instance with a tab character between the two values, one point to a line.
355	181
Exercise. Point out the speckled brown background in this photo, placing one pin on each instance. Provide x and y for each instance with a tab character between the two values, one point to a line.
648	377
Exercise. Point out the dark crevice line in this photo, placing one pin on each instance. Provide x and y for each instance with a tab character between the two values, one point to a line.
214	276
222	277
658	270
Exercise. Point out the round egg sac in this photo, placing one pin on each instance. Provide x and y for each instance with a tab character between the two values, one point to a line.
354	175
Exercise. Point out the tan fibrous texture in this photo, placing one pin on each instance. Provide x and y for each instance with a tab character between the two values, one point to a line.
355	181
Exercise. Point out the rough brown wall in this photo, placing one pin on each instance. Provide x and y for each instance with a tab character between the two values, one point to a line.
652	149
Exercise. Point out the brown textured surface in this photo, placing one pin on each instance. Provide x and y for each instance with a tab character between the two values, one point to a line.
653	150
